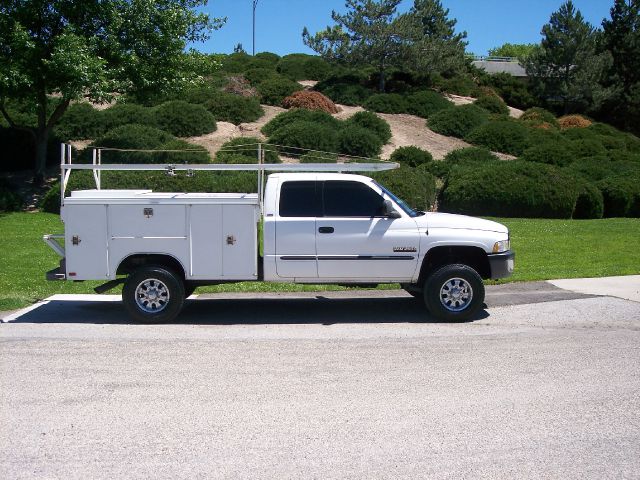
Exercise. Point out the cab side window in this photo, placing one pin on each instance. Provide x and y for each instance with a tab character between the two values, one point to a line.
351	199
300	199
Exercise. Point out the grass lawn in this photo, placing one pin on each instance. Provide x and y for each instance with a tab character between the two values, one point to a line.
545	249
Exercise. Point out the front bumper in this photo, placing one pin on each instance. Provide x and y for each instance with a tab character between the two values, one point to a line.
501	264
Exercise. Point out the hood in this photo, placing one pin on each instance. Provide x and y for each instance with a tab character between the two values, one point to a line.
449	220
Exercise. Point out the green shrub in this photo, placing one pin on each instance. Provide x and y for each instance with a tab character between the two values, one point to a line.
512	90
80	121
299	114
426	103
588	147
358	141
600	167
270	57
411	156
256	76
458	85
299	66
346	94
273	90
318	157
372	122
142	137
621	196
590	202
125	114
470	154
537	116
201	93
247	148
184	119
550	152
227	107
515	189
9	200
386	103
305	135
492	104
416	186
458	121
504	136
236	62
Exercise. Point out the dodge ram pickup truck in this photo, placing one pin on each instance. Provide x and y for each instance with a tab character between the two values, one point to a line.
317	227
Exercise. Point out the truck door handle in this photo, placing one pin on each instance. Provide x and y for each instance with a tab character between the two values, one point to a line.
325	229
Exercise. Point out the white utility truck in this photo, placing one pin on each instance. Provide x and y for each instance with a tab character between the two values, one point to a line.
318	226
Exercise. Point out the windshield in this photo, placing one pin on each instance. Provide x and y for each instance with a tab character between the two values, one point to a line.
401	203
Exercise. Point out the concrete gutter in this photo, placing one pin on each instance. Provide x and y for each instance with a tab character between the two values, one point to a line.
626	287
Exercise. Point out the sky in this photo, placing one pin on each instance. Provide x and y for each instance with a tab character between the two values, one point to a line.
279	23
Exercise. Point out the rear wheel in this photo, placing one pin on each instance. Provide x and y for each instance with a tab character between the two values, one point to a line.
454	292
153	295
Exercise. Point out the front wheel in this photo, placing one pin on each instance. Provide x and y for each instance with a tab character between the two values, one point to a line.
454	293
153	295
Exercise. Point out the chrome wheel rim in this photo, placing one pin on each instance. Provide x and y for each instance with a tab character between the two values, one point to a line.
456	294
152	295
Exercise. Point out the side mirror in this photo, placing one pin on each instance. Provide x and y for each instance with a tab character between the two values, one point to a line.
389	211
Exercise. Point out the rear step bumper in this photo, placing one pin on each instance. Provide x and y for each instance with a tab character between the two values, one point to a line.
56	274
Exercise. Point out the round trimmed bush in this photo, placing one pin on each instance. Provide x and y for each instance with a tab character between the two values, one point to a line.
470	154
346	93
538	116
458	121
227	107
273	90
9	200
80	121
411	156
573	121
504	136
386	103
299	114
300	66
298	137
256	76
358	141
515	189
318	157
272	58
550	152
492	104
311	101
426	103
588	147
184	119
125	114
246	147
621	196
372	122
142	137
590	202
416	186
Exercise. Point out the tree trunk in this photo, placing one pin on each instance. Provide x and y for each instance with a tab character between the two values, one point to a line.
41	138
381	84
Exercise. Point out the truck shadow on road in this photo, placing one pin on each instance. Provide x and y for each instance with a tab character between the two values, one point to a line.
254	311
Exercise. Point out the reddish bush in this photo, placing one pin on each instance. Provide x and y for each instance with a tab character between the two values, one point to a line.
311	101
573	121
238	85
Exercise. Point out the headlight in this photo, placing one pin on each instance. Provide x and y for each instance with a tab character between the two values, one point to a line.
501	246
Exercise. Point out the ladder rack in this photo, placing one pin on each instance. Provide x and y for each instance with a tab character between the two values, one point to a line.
66	166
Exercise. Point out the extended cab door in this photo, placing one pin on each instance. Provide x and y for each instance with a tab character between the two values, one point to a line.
298	207
355	241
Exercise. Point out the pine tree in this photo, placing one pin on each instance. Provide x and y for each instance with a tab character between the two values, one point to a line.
565	70
621	38
370	33
437	48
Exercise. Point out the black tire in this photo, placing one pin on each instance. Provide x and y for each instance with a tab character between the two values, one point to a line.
188	290
454	293
164	302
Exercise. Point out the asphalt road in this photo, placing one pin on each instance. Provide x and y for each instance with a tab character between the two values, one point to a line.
545	383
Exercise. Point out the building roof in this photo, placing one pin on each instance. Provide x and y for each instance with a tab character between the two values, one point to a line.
493	66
